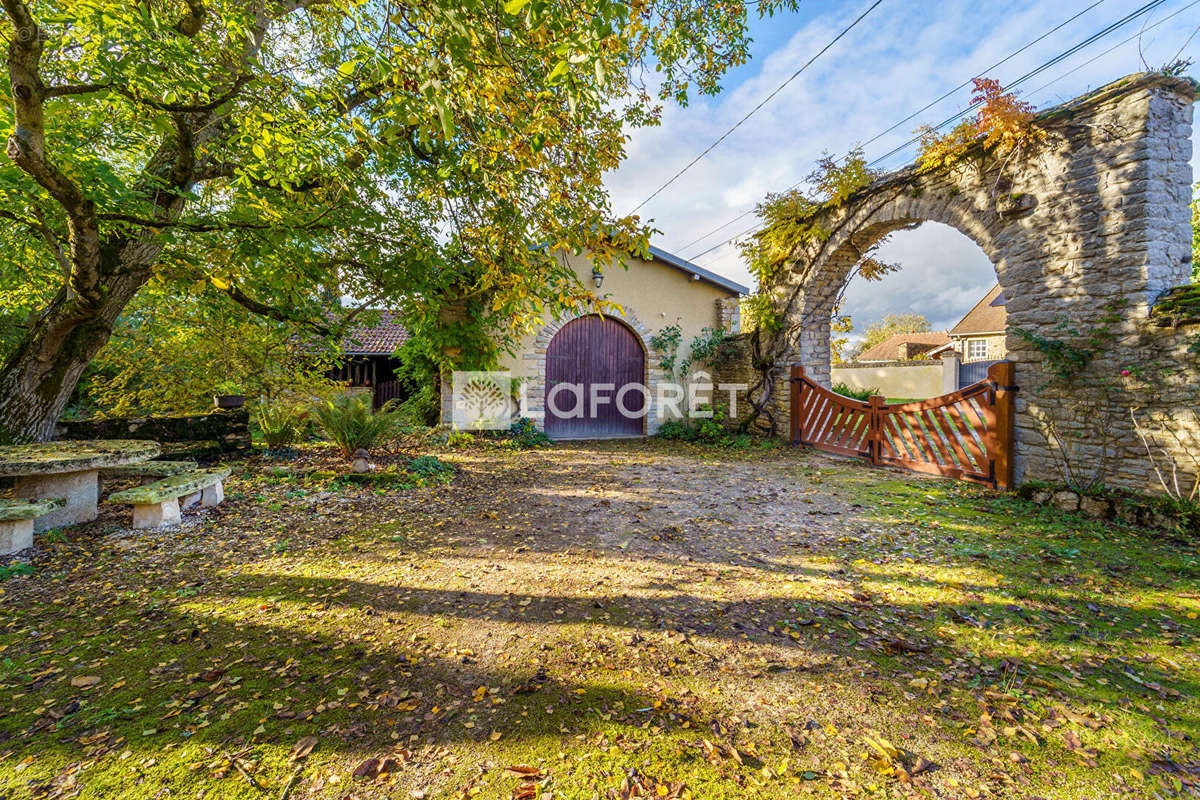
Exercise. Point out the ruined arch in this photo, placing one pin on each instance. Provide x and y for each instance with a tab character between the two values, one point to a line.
1091	225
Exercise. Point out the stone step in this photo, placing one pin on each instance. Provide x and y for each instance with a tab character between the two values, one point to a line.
175	486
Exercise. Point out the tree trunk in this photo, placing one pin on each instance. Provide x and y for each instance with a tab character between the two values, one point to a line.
37	380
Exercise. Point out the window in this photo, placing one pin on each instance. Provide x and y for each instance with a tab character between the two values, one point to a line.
977	349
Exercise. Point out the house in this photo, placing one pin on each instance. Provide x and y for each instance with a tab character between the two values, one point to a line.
369	356
583	352
980	334
904	347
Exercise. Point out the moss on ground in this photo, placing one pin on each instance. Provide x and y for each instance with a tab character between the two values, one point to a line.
610	616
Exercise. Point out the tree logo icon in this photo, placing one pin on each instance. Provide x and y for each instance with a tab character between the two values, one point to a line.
483	400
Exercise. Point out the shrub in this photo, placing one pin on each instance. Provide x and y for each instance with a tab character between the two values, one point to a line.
857	394
280	422
422	408
349	422
524	433
430	467
457	438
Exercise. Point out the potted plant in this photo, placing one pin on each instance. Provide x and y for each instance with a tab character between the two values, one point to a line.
228	394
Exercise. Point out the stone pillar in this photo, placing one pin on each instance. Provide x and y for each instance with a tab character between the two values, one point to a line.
951	362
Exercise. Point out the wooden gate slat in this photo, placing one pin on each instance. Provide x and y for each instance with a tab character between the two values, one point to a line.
969	442
965	434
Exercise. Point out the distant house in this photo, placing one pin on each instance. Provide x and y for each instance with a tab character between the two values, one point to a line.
370	361
979	335
904	347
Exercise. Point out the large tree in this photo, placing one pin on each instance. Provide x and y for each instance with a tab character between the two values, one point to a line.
285	151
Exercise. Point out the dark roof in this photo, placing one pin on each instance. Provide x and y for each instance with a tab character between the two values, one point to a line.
889	348
988	316
692	269
382	338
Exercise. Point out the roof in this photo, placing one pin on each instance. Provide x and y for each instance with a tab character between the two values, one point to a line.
684	265
989	315
889	348
383	338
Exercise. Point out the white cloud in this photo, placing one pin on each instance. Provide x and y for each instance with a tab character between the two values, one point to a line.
893	63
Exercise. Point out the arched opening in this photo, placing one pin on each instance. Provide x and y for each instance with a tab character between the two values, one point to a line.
595	380
932	323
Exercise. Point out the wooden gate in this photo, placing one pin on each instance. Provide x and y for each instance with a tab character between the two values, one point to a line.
585	352
966	434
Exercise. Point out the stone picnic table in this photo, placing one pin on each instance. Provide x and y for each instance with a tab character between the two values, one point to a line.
68	470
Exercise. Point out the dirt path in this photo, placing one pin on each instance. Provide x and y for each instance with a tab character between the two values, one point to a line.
626	619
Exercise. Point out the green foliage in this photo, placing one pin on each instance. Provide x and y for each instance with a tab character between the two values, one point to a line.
281	422
1067	356
858	394
711	431
667	342
1196	239
457	439
173	349
707	348
16	568
430	467
348	421
422	408
788	225
524	434
283	153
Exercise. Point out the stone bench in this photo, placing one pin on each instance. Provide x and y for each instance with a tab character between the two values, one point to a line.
16	522
149	469
158	504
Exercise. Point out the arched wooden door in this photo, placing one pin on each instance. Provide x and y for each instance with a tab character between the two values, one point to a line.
588	351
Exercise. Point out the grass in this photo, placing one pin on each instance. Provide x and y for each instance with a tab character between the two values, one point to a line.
627	617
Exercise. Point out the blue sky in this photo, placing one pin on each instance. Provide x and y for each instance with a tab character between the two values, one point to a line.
897	60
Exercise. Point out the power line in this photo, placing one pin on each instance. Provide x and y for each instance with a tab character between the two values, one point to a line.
1120	44
762	103
1032	73
1153	4
925	108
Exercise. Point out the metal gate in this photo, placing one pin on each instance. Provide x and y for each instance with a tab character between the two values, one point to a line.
966	434
973	372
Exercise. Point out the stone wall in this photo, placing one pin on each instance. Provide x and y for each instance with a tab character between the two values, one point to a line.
1089	230
200	435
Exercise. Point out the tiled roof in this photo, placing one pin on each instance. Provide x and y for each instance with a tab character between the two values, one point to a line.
382	338
989	315
889	348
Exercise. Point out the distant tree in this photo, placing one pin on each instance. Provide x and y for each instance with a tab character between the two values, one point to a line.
840	348
890	326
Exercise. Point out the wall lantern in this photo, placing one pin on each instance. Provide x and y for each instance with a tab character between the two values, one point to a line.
597	276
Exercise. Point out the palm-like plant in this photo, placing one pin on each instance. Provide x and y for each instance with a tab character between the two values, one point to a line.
348	421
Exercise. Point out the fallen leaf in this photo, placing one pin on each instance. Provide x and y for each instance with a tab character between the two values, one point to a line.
303	747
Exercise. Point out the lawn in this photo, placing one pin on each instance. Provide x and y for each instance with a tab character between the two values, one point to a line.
627	619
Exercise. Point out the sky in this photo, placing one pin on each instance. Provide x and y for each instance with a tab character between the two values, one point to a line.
903	55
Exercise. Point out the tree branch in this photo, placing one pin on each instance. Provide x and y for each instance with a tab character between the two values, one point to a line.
51	92
27	149
272	312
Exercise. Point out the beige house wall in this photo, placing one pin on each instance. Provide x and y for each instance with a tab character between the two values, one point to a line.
917	382
651	295
996	347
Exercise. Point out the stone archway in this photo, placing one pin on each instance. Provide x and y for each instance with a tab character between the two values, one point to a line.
1091	228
